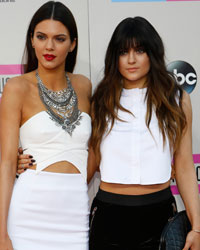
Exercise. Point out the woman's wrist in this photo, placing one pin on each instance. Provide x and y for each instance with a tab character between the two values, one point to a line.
196	230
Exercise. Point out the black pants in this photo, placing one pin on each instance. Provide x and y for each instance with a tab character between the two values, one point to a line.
129	227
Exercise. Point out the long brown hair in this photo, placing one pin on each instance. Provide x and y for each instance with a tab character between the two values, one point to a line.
163	94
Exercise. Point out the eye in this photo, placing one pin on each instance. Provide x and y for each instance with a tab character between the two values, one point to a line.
60	39
123	52
40	37
140	50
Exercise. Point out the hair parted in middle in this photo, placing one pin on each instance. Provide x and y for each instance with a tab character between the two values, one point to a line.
54	11
162	89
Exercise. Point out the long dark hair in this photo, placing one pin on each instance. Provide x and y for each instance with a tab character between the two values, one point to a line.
55	11
162	90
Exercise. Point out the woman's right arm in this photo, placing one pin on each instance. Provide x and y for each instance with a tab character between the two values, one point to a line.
10	116
92	166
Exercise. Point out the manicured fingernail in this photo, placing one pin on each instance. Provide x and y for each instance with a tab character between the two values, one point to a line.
30	156
30	164
32	160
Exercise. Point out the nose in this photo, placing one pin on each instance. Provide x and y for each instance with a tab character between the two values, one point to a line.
131	56
50	45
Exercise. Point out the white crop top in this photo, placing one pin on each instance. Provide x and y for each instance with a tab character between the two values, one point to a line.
48	143
129	153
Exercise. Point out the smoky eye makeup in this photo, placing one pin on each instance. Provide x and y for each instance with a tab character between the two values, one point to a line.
123	52
61	38
40	36
140	49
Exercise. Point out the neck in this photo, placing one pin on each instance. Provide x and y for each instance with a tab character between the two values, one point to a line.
141	83
53	79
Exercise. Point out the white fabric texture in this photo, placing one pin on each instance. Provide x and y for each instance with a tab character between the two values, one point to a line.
130	153
49	143
49	211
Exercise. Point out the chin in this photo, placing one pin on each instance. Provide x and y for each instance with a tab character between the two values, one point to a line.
133	79
50	66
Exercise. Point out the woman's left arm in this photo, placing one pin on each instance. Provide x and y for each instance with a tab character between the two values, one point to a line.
186	178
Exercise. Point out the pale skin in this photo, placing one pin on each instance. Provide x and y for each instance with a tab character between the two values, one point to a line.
20	101
134	66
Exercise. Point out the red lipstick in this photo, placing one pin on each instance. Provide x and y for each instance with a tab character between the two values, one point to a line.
49	57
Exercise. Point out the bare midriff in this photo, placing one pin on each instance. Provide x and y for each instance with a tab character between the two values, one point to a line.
132	189
60	167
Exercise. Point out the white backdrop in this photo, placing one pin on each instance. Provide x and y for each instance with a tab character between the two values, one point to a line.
176	21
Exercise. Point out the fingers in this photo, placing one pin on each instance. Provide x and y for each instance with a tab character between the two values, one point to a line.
24	162
188	242
192	241
186	247
20	171
22	156
20	150
21	167
24	165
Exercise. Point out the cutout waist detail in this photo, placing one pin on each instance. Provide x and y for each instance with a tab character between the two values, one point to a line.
59	167
77	158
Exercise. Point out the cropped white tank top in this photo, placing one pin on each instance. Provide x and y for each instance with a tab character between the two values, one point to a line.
130	153
48	143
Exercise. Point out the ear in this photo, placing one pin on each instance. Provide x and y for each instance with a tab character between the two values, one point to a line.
73	45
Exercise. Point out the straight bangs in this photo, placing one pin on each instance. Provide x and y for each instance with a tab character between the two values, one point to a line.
132	38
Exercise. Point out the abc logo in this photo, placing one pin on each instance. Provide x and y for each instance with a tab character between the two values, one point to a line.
184	73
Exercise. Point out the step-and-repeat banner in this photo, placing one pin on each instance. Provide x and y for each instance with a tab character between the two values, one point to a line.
176	21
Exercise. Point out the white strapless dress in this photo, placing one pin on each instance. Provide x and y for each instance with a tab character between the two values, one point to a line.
49	211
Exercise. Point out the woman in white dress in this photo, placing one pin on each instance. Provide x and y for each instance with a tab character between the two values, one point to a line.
47	108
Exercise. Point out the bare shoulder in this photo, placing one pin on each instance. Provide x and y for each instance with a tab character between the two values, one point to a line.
79	78
13	87
81	83
18	84
13	84
15	90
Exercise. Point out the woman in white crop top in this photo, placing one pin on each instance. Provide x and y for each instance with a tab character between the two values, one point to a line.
141	120
46	108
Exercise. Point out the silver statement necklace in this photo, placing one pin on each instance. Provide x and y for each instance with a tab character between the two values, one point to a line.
62	105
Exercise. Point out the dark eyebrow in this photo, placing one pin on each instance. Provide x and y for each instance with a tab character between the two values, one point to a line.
39	32
61	35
